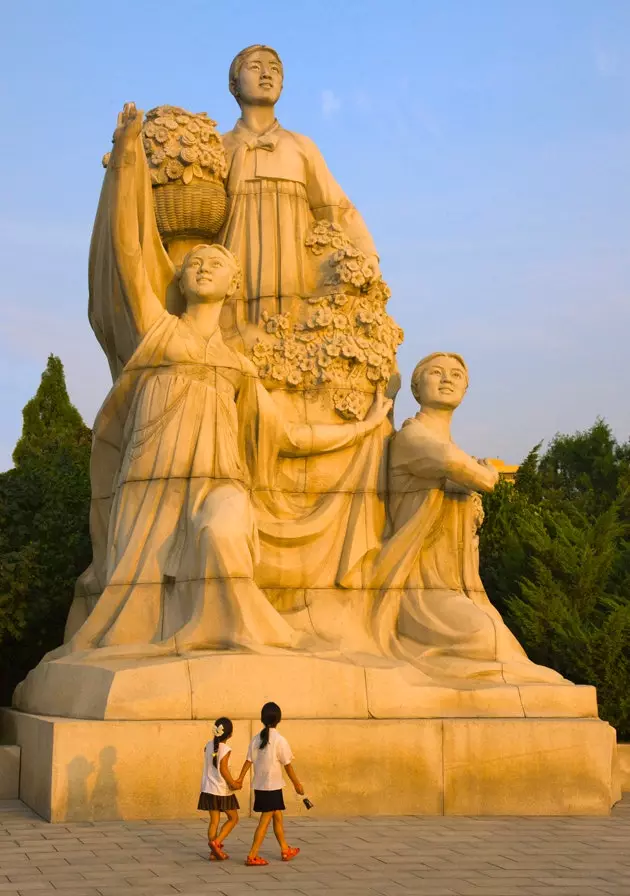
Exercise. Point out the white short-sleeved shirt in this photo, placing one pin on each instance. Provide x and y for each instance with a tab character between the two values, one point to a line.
269	762
212	781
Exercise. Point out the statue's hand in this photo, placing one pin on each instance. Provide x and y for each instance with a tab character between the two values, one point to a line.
128	127
380	408
490	467
374	263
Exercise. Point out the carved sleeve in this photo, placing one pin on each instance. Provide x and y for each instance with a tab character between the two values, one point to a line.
328	201
432	458
144	305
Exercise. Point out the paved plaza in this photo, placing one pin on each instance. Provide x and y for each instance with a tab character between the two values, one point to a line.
363	856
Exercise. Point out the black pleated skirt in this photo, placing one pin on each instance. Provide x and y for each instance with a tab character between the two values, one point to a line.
268	800
210	802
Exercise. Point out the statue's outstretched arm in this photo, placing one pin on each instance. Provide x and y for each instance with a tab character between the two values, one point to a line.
428	457
143	304
303	439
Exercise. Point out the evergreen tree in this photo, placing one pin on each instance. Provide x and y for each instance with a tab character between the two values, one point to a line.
555	558
44	533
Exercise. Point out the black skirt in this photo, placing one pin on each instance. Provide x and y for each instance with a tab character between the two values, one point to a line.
210	802
268	800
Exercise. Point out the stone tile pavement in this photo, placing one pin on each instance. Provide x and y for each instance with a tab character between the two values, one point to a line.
354	856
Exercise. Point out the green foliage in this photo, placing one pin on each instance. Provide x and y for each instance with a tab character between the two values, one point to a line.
44	534
555	558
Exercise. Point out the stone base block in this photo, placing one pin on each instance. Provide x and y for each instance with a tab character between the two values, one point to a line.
102	685
80	770
9	772
623	751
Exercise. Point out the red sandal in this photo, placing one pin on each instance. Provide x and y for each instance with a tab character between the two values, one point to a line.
256	860
290	853
217	850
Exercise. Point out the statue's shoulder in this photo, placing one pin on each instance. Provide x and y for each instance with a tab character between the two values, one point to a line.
305	143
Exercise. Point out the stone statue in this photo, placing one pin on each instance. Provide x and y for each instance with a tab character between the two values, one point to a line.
184	437
259	532
278	184
433	611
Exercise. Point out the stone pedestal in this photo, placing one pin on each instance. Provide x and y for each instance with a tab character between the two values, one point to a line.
80	770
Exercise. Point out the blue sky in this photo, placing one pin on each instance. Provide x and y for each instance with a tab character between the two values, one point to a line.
486	142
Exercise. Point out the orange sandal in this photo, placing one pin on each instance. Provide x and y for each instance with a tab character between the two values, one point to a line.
290	853
217	850
256	860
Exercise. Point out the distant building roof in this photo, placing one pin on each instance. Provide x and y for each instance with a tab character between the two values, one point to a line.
505	471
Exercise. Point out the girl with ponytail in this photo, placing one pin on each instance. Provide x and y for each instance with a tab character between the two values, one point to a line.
269	752
217	785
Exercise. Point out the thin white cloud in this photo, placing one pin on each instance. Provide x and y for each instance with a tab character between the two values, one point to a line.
331	103
606	62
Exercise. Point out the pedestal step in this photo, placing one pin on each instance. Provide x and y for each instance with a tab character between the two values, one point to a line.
81	770
9	772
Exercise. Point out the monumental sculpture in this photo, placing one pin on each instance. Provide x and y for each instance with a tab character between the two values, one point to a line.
255	519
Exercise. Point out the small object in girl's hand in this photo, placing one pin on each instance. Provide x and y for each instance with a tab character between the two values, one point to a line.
307	803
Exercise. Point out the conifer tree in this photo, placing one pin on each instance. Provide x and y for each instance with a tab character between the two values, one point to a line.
44	534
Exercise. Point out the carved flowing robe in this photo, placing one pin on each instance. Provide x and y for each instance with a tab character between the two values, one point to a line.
185	447
278	184
433	610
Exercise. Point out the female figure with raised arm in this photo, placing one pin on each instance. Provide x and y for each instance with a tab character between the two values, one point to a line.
183	440
433	610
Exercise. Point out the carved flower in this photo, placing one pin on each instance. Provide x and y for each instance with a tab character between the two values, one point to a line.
174	169
182	119
170	123
162	135
261	350
290	351
365	316
323	317
332	349
323	359
158	176
272	325
189	154
373	359
294	377
340	299
149	129
188	139
172	148
194	127
340	321
205	135
348	348
373	373
277	372
307	364
158	156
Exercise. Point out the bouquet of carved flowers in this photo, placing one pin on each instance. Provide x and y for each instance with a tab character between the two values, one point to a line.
346	340
181	146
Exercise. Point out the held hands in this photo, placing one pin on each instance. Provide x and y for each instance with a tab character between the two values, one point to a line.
128	127
380	408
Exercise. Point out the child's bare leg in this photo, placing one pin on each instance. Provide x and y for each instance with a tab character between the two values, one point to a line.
215	817
259	833
278	829
229	825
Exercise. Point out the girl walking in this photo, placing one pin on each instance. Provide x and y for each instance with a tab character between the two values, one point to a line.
269	752
217	785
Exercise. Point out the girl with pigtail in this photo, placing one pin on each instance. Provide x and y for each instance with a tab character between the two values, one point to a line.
217	785
269	752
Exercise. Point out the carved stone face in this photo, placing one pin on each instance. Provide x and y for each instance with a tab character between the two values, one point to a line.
442	383
207	276
260	79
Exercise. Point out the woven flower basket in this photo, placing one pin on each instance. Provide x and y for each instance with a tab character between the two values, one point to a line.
189	210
